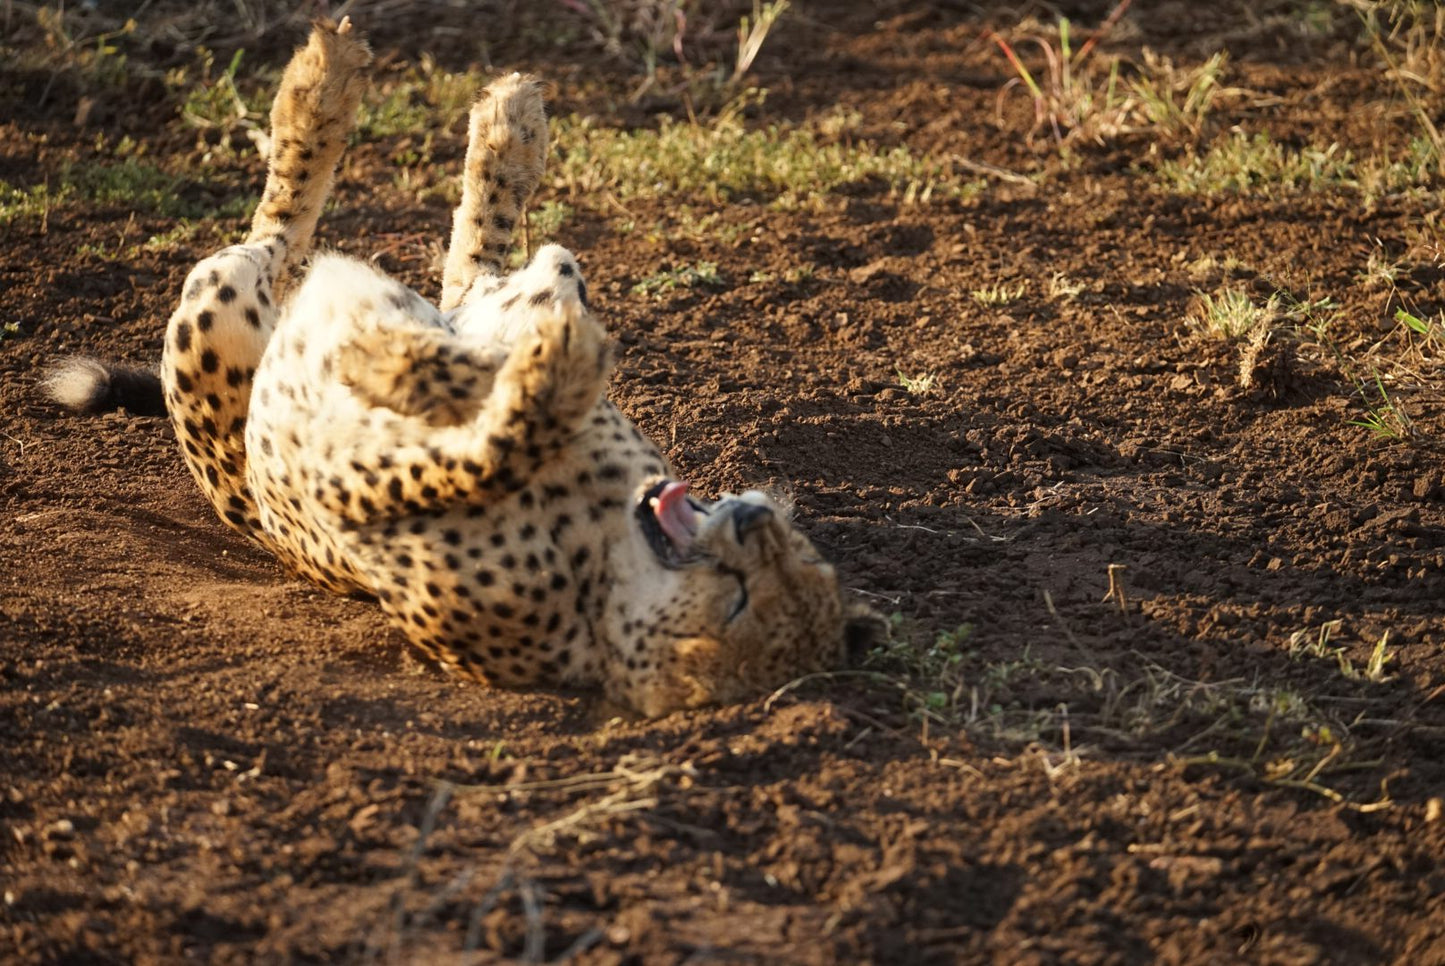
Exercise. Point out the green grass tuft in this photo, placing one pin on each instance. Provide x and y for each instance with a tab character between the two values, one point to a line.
685	276
1256	164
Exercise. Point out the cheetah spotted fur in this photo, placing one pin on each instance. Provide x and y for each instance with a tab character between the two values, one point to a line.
461	463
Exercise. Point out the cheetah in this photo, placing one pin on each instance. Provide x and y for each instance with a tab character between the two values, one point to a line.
460	463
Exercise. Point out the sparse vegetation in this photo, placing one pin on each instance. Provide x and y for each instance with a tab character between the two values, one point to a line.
1320	643
726	160
1257	164
120	181
1175	101
213	104
999	293
1085	97
1072	103
920	385
1383	416
649	32
703	274
423	98
1409	38
1428	334
1231	314
1062	288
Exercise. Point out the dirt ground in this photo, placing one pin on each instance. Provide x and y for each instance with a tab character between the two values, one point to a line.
201	759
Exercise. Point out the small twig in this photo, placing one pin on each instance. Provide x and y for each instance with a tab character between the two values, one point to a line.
583	943
894	599
1059	619
816	676
535	945
412	874
1116	587
993	171
485	905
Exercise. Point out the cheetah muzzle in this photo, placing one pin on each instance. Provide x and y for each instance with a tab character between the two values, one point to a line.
460	462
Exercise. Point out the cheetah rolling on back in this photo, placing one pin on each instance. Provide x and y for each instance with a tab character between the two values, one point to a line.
461	463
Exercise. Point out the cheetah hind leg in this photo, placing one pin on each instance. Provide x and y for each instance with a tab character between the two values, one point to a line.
506	153
311	118
229	305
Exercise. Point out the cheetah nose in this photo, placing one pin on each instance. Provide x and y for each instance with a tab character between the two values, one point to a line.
748	517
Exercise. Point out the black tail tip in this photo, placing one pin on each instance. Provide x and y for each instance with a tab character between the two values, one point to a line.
89	386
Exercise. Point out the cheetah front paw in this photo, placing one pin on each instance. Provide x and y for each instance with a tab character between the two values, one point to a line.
565	363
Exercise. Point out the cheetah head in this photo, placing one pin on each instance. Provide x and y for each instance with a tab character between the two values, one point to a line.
735	601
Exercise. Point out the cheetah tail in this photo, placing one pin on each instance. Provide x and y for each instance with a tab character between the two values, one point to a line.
88	386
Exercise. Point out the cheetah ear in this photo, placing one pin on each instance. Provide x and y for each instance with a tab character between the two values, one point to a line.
863	629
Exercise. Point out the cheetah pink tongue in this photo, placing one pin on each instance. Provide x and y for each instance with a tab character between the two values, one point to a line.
675	515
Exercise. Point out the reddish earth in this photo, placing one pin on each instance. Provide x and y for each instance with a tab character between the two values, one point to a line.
206	760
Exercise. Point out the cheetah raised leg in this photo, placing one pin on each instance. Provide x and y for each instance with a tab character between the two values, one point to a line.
506	153
215	338
507	143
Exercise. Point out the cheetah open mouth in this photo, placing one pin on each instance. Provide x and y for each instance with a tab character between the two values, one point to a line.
669	519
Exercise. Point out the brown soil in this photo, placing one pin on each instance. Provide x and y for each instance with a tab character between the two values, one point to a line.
206	760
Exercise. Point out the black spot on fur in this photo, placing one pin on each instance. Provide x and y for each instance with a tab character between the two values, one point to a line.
209	362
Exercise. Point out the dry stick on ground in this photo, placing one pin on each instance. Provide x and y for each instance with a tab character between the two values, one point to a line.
640	778
1059	619
640	781
1307	783
410	879
637	794
1116	587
